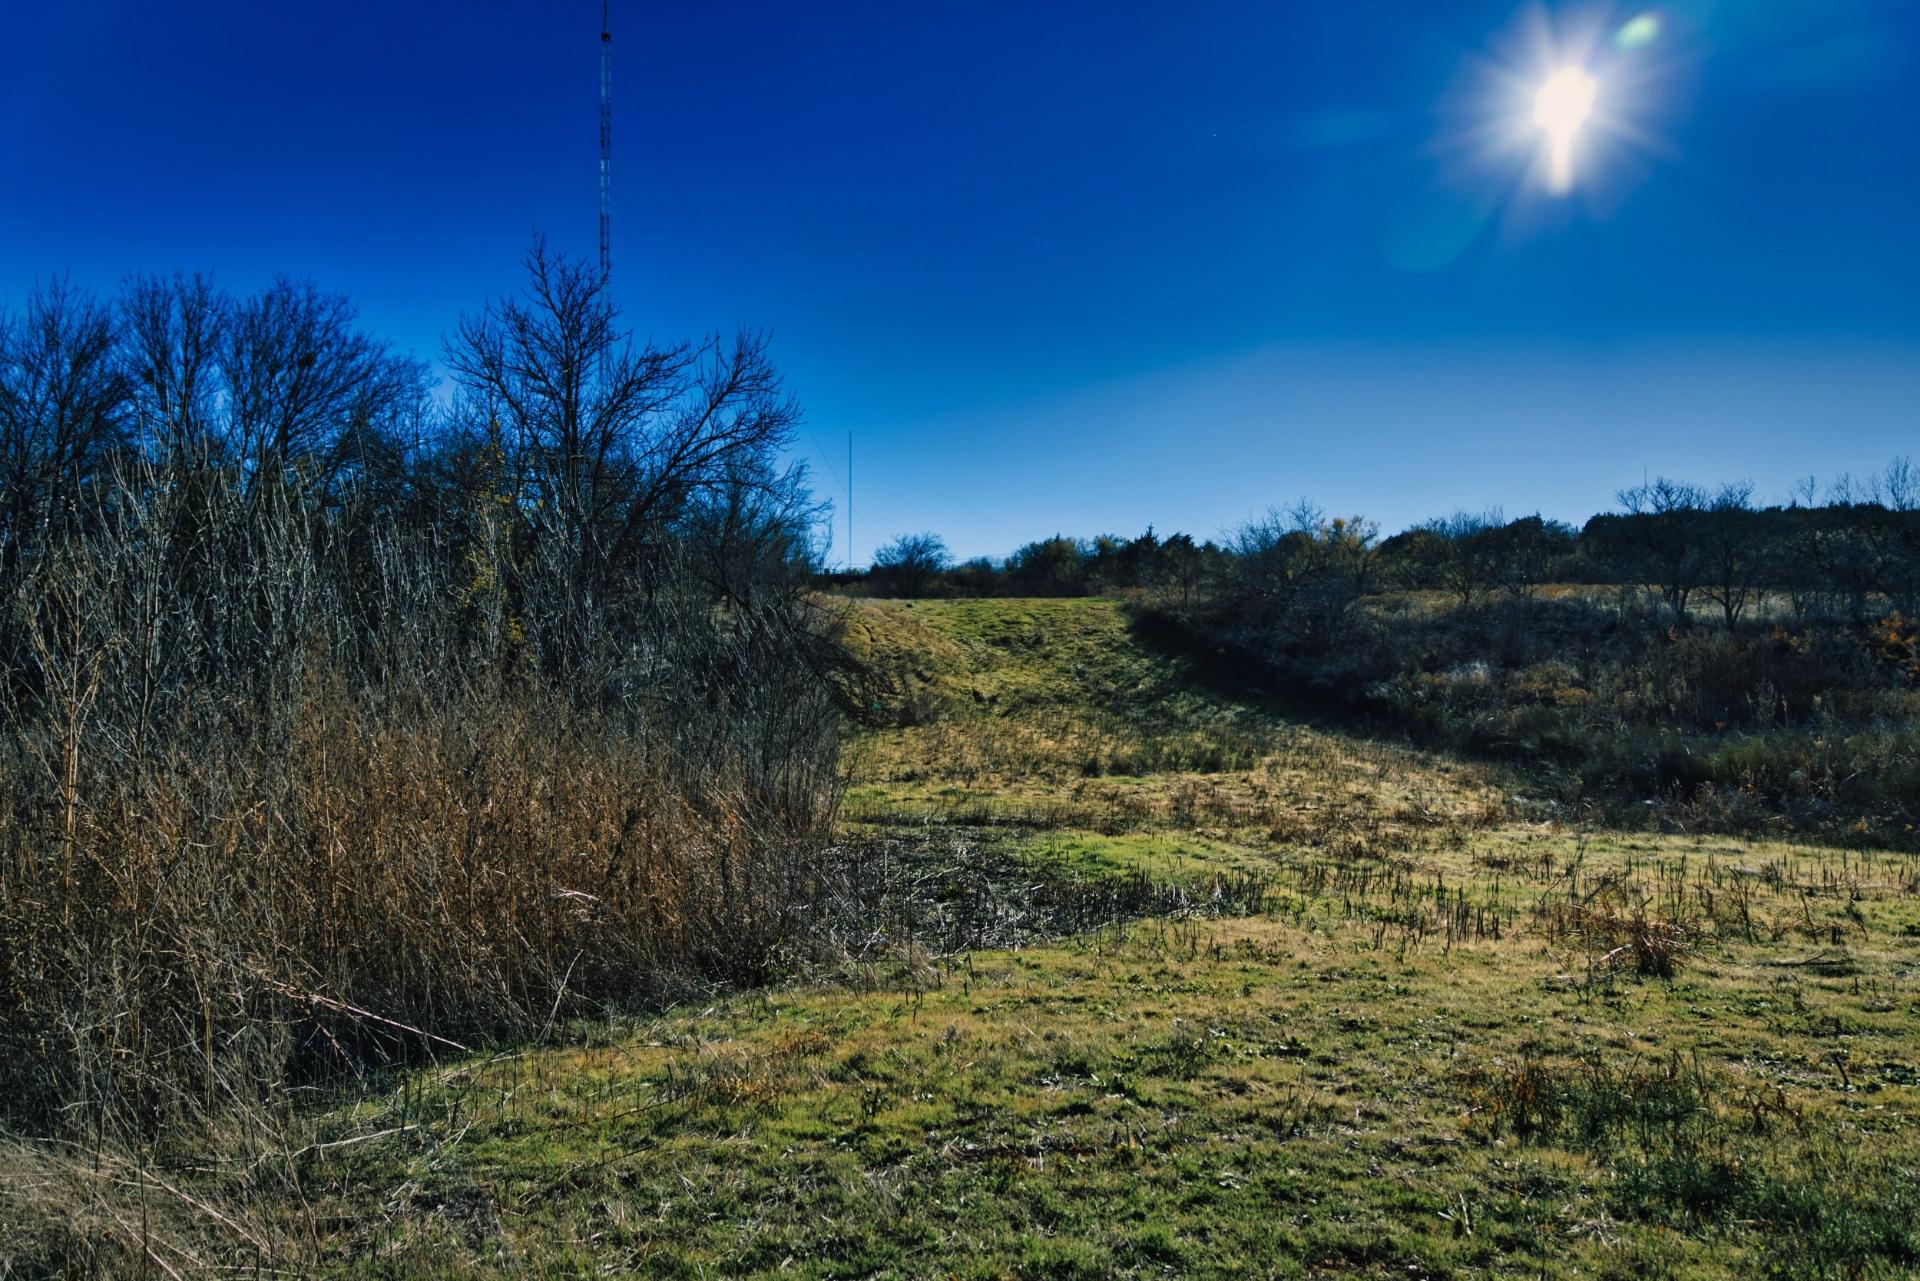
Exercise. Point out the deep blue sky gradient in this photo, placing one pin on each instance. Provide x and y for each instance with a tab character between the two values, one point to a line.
1064	266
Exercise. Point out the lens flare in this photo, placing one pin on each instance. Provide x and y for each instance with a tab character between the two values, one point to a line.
1555	120
1564	103
1638	32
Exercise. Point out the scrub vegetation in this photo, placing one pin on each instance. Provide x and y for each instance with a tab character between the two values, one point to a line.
475	839
1101	1003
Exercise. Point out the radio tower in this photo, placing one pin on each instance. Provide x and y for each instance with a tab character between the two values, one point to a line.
606	140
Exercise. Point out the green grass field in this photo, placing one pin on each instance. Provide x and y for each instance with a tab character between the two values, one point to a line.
1455	1034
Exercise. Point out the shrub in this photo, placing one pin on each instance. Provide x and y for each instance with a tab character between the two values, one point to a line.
326	740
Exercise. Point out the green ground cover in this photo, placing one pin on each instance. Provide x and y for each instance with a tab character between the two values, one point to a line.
1436	1030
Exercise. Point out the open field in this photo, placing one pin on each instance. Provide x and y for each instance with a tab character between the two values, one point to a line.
1342	1008
1255	788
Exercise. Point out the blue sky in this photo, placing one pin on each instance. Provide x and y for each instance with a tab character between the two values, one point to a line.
1070	267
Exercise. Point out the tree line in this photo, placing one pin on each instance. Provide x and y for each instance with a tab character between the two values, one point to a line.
1851	551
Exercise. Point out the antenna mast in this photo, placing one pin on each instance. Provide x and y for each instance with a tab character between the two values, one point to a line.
606	140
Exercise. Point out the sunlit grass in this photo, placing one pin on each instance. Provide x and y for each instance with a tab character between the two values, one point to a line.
1330	1086
1399	1024
1052	713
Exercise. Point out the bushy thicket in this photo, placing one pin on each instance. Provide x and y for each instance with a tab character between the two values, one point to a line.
1798	707
338	724
1812	726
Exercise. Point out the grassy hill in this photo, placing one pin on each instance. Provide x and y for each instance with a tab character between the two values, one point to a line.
1432	1031
1053	716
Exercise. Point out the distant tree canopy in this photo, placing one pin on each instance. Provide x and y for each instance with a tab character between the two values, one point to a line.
1474	556
920	565
1054	566
910	565
1850	552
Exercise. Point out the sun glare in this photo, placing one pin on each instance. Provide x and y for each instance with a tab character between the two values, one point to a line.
1563	104
1555	118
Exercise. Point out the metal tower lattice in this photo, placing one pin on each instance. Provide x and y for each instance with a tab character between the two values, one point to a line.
606	141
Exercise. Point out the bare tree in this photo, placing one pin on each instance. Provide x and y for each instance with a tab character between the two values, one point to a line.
1853	547
911	565
174	332
305	391
756	530
1898	490
1525	553
1733	550
1466	551
62	411
613	440
1656	541
1299	574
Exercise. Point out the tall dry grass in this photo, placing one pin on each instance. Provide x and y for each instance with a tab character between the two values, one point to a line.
273	804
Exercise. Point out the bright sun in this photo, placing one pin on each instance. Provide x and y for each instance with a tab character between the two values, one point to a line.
1563	103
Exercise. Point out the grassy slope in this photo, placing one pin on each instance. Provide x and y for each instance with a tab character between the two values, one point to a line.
1420	1061
1052	716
